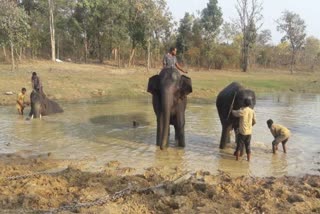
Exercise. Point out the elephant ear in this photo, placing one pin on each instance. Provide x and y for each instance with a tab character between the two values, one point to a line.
154	84
185	85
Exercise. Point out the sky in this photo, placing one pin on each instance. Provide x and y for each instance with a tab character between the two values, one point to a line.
309	11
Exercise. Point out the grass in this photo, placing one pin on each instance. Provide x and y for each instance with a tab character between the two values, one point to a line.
71	82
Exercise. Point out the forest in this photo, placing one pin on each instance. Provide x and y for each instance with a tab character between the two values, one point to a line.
127	33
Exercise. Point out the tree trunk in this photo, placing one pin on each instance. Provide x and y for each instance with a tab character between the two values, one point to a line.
85	50
100	50
292	61
58	48
52	31
148	55
4	53
133	50
12	56
119	57
245	53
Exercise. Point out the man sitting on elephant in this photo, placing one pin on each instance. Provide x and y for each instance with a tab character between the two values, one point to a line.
170	60
246	121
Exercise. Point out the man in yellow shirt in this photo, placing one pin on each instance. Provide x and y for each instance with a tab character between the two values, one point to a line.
20	101
281	135
247	119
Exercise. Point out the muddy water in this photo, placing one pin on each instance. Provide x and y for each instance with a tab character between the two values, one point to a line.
101	131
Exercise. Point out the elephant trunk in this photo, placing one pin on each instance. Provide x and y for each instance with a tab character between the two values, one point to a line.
35	110
167	102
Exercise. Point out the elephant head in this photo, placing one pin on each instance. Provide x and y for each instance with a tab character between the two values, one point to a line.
231	98
41	105
169	92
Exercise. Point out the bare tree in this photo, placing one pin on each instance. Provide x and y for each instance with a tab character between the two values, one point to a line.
294	28
52	31
249	17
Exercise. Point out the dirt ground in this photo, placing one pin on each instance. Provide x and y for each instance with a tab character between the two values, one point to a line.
40	184
33	183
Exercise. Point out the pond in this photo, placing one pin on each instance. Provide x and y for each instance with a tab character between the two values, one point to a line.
102	130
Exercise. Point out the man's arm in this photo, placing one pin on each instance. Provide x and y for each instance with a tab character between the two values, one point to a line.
237	113
179	68
254	119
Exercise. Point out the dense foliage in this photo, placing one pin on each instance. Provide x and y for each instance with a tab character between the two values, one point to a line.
139	32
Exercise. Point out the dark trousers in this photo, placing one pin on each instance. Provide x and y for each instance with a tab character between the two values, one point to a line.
243	140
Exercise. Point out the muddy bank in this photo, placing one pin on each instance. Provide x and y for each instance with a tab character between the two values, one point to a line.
51	184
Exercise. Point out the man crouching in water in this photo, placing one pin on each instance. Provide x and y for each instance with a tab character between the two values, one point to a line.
247	119
281	135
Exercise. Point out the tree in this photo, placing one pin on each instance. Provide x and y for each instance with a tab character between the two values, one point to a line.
249	18
211	18
311	52
228	32
264	37
184	37
52	30
13	26
294	28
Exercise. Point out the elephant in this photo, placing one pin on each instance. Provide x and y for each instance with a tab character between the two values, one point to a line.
169	91
41	105
232	98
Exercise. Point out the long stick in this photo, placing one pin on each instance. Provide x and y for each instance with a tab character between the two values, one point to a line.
231	106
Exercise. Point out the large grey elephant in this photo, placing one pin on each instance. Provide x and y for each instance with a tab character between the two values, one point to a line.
231	98
169	92
41	105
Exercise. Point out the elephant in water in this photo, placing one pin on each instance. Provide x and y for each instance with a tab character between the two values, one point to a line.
169	92
41	105
231	98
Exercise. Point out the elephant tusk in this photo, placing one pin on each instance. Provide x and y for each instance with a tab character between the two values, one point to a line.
231	106
40	116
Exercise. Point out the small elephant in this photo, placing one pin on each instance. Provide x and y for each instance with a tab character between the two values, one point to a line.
231	98
41	105
169	92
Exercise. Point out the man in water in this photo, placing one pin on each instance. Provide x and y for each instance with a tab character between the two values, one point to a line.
170	60
281	135
21	104
247	119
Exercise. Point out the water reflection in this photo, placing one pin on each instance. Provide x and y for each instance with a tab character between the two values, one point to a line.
104	131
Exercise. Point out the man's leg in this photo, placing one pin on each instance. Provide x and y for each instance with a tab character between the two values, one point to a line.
241	143
274	147
275	143
248	149
238	148
284	145
19	110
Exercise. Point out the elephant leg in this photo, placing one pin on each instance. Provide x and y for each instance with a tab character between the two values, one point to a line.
159	130
225	136
179	129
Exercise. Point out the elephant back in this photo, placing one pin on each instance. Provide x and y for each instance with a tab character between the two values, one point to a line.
228	93
51	107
